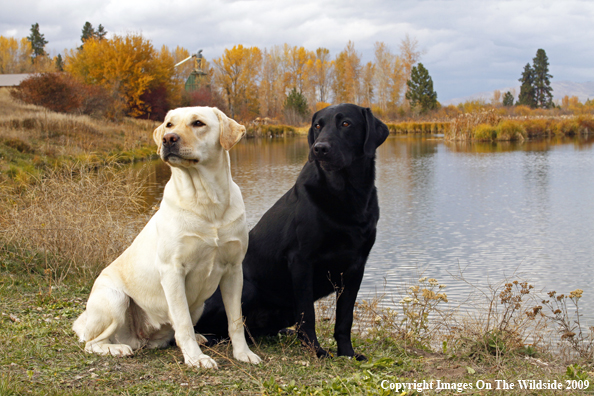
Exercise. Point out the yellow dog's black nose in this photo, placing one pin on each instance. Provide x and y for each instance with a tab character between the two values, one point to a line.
170	139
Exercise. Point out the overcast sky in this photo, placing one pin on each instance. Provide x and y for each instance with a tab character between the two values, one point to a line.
469	46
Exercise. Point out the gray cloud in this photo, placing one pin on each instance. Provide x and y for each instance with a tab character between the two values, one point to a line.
469	46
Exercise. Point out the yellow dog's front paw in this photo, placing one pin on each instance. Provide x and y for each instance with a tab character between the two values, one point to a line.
119	350
202	361
247	356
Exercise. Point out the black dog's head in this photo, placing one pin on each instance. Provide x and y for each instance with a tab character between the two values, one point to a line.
342	133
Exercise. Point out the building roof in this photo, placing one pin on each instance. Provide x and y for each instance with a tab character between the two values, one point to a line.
12	80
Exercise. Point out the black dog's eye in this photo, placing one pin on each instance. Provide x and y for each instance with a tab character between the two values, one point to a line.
346	124
318	126
169	125
197	123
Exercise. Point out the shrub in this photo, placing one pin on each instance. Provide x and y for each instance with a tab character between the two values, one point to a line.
510	130
62	93
270	130
485	132
567	127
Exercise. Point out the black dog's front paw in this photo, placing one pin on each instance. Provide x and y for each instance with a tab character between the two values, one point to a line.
360	358
352	355
322	353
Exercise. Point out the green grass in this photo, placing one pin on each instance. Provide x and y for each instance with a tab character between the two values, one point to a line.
40	355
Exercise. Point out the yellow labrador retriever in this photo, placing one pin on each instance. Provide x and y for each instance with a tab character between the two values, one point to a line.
195	242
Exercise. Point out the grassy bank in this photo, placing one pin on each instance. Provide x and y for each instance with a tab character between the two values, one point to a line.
272	131
490	126
417	127
34	140
60	231
57	236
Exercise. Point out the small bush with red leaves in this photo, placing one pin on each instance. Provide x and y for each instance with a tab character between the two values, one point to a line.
62	93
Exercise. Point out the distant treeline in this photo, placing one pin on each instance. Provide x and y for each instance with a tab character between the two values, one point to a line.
125	75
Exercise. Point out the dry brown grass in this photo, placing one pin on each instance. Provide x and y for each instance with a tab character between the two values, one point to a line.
417	127
493	125
462	127
70	134
72	222
33	139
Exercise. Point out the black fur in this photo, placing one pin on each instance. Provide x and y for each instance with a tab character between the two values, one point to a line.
316	238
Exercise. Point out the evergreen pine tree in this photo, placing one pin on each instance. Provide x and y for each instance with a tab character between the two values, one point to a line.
37	40
297	102
59	63
101	32
543	95
527	89
420	89
508	99
88	32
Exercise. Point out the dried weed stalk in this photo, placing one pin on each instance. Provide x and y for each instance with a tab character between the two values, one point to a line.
568	325
72	221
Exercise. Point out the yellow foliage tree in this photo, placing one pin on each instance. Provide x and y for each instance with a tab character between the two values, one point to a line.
236	73
367	85
271	93
321	75
128	66
409	55
347	72
296	69
15	55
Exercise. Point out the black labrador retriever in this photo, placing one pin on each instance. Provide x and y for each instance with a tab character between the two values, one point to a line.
316	238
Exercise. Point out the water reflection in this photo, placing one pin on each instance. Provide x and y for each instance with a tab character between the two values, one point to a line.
491	210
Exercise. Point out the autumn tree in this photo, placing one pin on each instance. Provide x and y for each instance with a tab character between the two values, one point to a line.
527	97
420	89
347	72
321	75
15	55
366	86
496	99
236	73
543	95
127	66
37	41
271	92
296	67
409	55
388	77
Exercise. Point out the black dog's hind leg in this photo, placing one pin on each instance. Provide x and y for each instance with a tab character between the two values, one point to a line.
346	297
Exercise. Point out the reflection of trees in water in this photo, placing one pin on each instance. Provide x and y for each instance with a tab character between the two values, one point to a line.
536	179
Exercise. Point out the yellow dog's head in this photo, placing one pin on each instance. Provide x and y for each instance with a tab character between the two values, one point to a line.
190	135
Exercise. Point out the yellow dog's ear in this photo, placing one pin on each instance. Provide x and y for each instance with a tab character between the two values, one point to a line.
230	131
158	136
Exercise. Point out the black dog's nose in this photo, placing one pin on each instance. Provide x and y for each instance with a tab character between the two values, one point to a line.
321	149
170	139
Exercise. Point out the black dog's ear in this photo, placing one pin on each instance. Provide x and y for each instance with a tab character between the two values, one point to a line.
377	132
310	136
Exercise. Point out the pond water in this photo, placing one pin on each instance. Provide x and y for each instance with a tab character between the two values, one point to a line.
481	212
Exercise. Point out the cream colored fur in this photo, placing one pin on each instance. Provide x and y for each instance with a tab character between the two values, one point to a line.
195	242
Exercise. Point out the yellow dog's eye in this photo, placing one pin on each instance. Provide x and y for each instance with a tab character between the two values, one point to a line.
169	125
197	123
